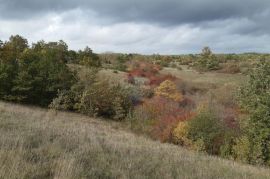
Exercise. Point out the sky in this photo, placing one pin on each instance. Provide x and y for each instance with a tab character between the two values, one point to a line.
142	26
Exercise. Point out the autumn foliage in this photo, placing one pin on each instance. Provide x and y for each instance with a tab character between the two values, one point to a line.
168	90
164	127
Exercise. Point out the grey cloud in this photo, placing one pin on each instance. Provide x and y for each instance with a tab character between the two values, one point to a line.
143	26
163	12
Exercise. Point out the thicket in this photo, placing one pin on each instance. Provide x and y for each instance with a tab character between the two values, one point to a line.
96	97
254	144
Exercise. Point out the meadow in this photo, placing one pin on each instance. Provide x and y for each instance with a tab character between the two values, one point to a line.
40	143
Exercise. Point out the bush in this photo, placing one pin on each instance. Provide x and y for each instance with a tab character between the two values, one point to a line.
158	79
207	61
64	101
242	149
255	98
164	127
150	116
105	99
97	97
207	128
168	90
88	58
180	134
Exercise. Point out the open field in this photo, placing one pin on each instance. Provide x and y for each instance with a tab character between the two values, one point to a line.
37	143
206	78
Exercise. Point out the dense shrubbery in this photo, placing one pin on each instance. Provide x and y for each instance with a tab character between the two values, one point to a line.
95	97
255	98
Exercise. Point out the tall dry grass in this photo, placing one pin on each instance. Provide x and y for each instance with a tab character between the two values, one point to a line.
36	143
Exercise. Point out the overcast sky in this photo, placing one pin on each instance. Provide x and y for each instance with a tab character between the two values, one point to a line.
142	26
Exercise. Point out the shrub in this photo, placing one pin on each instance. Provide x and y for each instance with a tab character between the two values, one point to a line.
64	101
158	79
208	128
180	134
88	58
242	149
143	69
105	99
255	98
168	90
207	61
97	97
164	127
150	115
147	92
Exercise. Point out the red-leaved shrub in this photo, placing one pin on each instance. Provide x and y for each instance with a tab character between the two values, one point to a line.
163	128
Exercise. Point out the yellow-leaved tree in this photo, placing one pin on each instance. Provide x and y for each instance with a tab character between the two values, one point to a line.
168	90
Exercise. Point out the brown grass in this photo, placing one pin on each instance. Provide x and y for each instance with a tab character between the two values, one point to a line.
37	143
207	78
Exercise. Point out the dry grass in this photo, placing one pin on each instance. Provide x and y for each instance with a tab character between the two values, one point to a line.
36	143
205	78
103	73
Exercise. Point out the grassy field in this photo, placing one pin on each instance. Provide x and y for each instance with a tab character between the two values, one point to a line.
205	78
37	143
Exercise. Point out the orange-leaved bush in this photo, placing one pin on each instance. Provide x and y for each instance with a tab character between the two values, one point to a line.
164	127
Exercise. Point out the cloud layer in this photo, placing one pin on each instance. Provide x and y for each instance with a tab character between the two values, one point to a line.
142	26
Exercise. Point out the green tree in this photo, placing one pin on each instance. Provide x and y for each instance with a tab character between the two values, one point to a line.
88	58
12	49
206	52
10	52
255	98
206	61
57	50
40	77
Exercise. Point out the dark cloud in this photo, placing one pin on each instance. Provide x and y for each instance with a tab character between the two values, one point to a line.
143	26
164	12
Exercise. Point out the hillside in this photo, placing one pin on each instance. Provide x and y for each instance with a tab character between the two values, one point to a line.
36	143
